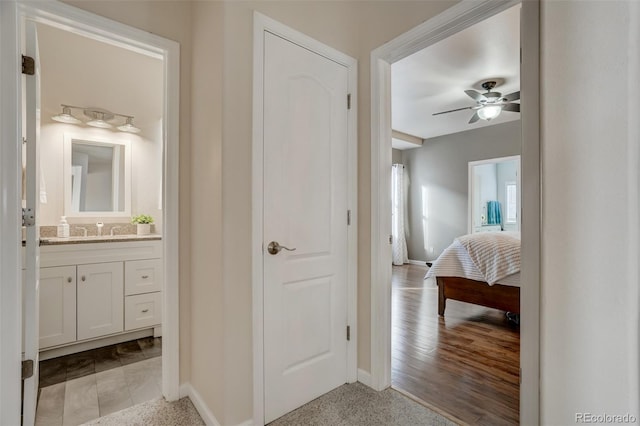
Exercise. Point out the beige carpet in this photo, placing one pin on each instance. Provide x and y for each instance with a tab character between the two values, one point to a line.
348	405
157	412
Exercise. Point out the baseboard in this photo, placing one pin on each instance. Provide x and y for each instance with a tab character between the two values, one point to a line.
364	377
417	262
247	423
207	416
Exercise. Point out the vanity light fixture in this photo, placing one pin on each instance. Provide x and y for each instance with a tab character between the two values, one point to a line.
98	117
129	127
65	116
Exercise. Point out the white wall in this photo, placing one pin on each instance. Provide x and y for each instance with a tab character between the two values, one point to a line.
589	306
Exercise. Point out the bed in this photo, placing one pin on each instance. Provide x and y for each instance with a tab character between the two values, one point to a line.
481	268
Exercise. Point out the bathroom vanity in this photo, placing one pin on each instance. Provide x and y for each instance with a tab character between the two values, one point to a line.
99	291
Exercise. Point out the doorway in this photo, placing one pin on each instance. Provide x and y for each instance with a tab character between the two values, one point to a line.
453	20
73	21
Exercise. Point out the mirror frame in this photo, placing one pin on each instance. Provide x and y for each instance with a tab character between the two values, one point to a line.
69	139
470	192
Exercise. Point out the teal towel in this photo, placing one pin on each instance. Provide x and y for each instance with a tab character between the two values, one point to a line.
494	215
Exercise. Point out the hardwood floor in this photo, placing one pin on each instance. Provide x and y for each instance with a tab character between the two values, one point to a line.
465	364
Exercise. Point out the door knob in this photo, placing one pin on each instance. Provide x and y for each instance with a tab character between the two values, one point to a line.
274	248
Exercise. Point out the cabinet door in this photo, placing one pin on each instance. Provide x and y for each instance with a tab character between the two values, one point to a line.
100	299
57	306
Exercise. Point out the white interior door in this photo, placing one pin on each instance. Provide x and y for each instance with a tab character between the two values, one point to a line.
305	208
32	246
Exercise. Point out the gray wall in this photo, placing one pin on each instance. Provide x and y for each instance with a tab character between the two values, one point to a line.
438	184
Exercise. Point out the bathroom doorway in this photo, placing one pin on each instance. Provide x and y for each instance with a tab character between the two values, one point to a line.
152	133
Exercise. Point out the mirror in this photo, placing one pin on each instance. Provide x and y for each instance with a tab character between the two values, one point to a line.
494	195
97	178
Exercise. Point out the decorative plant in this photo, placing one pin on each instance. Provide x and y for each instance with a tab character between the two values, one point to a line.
142	219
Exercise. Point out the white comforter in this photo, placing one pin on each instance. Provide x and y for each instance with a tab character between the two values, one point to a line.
492	257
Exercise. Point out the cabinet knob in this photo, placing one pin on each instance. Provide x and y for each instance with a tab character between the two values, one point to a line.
144	277
69	279
83	278
144	311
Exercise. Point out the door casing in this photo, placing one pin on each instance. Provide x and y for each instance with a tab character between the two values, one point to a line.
263	23
451	21
12	14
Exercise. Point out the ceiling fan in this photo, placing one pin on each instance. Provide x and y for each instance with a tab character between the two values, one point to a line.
489	105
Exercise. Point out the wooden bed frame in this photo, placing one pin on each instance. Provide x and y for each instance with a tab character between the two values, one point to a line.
498	296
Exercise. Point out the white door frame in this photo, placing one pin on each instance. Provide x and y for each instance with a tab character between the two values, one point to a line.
451	21
12	14
262	23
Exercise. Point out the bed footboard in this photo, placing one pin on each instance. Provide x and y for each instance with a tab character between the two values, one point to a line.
497	296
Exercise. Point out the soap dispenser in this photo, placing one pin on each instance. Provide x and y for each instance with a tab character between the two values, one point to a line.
63	228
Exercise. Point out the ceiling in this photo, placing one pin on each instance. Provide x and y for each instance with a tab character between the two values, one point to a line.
434	79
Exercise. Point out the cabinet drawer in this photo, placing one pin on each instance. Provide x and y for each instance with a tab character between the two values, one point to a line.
142	276
142	310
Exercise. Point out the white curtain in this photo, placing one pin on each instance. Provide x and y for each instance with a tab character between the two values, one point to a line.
398	202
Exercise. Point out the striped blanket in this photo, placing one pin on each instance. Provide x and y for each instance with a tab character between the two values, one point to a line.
495	254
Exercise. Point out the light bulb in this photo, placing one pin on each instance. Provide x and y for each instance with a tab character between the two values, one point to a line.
489	112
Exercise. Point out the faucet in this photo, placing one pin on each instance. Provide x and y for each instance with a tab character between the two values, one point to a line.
113	228
83	229
99	225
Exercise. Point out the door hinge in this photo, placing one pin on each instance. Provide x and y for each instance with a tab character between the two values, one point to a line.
348	333
28	217
520	377
28	65
27	369
348	100
348	217
390	239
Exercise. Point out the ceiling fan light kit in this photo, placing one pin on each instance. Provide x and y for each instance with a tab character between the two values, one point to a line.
489	112
489	105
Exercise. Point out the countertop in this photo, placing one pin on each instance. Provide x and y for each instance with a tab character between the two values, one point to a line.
50	241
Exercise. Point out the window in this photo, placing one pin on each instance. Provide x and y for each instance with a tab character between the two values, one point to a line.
512	203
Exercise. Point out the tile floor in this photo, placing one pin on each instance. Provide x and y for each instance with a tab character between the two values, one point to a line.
91	384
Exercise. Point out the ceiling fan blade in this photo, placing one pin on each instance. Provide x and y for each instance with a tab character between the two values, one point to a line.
451	110
511	107
476	96
512	96
475	117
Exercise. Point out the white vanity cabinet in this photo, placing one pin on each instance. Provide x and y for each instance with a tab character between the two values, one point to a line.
92	290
